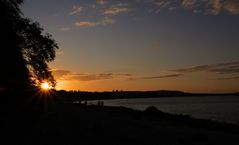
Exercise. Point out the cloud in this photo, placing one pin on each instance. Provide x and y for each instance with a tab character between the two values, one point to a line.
220	68
102	2
213	7
60	74
107	21
67	75
85	24
188	4
65	29
97	77
193	69
223	71
157	77
76	10
162	3
157	5
228	78
104	22
216	6
103	10
59	52
232	6
109	8
116	10
92	77
229	70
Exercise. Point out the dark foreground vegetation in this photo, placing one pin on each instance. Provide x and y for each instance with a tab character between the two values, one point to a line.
47	119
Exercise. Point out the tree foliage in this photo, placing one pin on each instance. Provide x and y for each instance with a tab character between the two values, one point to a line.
28	50
38	49
13	72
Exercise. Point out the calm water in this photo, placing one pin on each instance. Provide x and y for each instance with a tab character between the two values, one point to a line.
222	108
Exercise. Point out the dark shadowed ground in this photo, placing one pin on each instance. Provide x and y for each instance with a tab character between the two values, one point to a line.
75	124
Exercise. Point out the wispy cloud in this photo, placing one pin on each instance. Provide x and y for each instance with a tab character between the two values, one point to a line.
104	21
162	3
76	10
59	52
216	6
102	2
158	5
101	76
232	6
213	7
99	9
107	21
156	77
85	24
228	78
222	71
220	68
65	29
92	77
105	12
188	4
117	9
60	74
67	75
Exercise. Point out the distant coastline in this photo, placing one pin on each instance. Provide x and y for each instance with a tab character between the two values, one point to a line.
81	95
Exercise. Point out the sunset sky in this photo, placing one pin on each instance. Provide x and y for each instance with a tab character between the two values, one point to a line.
105	45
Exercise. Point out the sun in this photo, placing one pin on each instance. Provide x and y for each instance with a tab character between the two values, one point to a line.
45	86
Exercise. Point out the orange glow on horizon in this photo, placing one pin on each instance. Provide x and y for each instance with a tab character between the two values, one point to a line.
142	85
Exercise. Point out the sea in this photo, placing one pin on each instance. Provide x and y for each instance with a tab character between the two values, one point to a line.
220	108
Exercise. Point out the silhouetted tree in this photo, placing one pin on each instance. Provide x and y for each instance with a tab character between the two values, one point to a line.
37	49
13	70
25	50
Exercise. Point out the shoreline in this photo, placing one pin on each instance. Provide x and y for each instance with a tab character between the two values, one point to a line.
56	120
206	107
66	123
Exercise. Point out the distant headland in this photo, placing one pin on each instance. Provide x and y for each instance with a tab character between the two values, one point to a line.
83	95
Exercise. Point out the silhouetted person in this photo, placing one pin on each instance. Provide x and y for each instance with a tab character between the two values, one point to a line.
85	102
102	103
